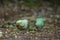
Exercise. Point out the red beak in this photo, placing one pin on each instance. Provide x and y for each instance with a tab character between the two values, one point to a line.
17	25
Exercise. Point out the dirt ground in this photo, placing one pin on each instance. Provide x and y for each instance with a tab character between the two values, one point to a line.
45	34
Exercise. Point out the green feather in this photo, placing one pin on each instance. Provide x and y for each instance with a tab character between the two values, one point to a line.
40	22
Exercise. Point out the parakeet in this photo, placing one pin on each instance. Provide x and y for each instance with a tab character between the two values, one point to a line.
22	23
40	22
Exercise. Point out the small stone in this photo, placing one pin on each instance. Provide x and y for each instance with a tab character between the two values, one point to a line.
11	25
17	33
31	34
32	31
39	35
7	26
7	29
27	32
1	34
55	20
15	36
6	32
6	36
36	38
51	15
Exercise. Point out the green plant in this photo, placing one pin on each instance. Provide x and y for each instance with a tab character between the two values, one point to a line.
30	3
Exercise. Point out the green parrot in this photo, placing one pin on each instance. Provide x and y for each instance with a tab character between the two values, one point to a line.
40	22
24	23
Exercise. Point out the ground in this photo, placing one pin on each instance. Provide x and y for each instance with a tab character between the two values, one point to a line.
46	34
